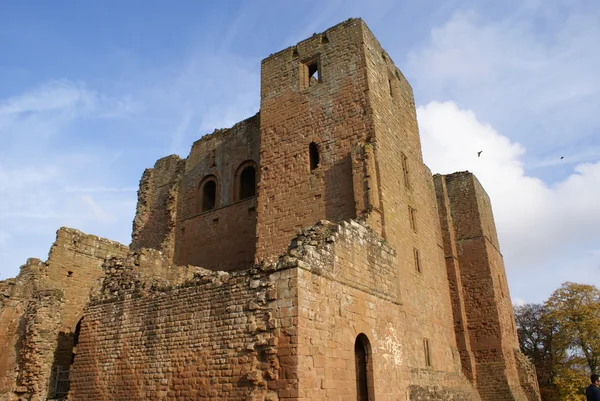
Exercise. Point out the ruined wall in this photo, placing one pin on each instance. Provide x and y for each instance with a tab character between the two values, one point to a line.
348	285
295	111
215	336
410	221
156	215
223	238
472	249
41	307
15	293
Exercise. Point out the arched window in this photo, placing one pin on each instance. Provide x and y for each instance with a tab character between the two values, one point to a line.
208	193
364	369
313	151
247	187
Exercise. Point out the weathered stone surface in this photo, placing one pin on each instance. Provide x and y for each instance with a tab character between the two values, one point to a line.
40	308
333	266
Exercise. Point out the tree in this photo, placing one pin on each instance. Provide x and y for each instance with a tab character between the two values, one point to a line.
575	310
562	339
535	331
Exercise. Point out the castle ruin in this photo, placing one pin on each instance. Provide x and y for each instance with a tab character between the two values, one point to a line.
306	253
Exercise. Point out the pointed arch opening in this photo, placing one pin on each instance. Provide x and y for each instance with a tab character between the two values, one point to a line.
364	368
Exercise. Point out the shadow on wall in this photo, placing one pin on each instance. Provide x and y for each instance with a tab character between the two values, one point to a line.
339	191
64	356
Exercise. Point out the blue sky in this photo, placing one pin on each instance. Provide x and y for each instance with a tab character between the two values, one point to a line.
93	92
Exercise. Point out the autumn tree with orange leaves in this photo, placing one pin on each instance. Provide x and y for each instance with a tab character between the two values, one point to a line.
562	339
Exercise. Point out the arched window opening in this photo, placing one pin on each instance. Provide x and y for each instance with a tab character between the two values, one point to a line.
313	151
209	195
247	183
364	368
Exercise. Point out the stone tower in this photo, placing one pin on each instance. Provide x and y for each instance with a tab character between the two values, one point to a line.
307	253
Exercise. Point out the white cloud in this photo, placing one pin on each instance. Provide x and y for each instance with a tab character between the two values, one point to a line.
532	73
539	225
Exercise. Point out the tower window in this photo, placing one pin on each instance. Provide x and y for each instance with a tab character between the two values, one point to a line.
247	183
417	260
313	151
209	194
427	352
309	73
405	170
412	216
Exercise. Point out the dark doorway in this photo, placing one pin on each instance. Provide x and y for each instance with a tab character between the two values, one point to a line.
248	182
209	195
364	369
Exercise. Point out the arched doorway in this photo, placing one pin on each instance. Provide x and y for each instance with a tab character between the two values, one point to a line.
364	368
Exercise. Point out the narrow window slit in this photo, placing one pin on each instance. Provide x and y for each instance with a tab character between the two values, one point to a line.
313	151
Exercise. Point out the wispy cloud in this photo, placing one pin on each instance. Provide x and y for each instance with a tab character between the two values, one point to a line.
531	73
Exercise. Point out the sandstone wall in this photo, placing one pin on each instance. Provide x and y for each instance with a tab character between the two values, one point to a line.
41	307
330	112
223	238
490	338
216	336
410	222
156	215
348	285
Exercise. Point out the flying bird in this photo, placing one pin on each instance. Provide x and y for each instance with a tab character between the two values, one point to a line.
479	153
562	157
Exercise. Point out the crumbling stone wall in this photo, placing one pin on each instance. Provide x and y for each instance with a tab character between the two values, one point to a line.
218	335
223	238
169	216
40	308
156	215
421	282
348	285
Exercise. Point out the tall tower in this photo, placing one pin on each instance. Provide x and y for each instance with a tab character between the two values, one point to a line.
314	107
483	313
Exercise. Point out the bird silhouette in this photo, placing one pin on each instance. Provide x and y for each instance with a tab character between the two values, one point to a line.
562	157
479	153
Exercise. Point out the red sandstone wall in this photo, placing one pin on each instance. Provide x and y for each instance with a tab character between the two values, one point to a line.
426	302
455	280
218	336
500	372
40	309
348	285
225	237
156	215
330	113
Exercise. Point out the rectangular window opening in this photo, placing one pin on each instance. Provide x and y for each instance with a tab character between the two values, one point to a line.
405	170
412	218
427	352
417	260
310	73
